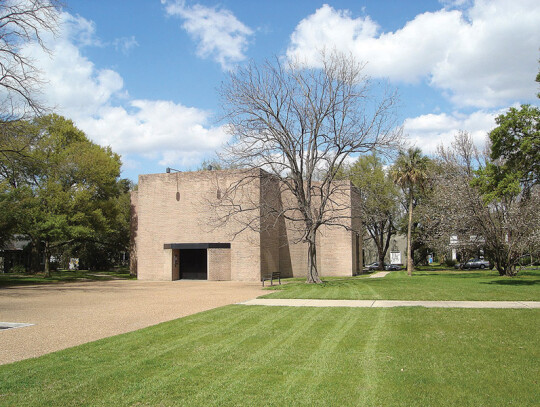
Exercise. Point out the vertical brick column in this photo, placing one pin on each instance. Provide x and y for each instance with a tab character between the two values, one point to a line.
167	264
219	264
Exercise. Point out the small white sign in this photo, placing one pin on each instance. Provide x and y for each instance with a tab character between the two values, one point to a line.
395	257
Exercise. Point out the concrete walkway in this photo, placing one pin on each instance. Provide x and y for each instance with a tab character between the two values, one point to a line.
379	274
391	303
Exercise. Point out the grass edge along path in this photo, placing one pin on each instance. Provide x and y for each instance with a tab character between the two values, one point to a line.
63	276
237	355
440	285
295	302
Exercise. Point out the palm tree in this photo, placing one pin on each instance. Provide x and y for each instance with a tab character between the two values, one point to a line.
410	172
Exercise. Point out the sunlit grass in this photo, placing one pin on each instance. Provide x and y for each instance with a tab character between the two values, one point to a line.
286	356
423	285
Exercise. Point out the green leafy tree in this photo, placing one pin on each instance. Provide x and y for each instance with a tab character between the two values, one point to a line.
410	171
62	187
109	247
515	151
379	200
509	184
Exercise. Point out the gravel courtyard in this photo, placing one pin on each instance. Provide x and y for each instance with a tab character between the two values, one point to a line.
70	314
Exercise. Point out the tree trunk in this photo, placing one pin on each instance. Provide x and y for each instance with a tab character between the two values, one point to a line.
47	258
34	255
410	263
386	243
312	272
381	260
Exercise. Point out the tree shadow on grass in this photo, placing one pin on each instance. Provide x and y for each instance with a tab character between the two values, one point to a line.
456	275
513	282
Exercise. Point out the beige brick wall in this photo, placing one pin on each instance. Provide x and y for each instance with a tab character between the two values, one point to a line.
219	264
293	253
336	251
335	254
164	219
266	243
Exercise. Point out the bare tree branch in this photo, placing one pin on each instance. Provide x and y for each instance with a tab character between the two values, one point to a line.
299	125
23	22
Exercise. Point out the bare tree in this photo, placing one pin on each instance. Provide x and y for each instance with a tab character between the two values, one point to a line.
300	124
505	228
23	22
449	213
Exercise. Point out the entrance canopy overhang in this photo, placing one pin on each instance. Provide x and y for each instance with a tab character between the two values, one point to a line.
181	246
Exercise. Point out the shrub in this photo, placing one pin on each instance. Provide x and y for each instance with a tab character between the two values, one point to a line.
449	263
525	260
18	269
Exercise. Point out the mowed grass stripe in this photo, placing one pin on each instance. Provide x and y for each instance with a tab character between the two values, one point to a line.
122	359
369	360
171	367
178	364
270	344
314	356
441	285
186	364
319	363
461	357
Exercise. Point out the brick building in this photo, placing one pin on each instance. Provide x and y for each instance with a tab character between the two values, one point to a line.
176	235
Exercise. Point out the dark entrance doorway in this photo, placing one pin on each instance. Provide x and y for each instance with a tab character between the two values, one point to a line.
193	264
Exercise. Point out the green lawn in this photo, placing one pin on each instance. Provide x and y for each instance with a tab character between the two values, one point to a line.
423	285
62	276
286	356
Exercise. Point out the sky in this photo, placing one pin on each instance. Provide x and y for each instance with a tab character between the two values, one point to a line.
143	76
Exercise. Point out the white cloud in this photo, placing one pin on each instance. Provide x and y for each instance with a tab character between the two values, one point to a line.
74	86
155	128
219	33
430	130
125	44
483	56
82	32
95	99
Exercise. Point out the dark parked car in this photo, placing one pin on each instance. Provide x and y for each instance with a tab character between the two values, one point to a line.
475	264
387	267
373	266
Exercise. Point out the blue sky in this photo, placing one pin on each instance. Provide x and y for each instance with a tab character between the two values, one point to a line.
142	75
